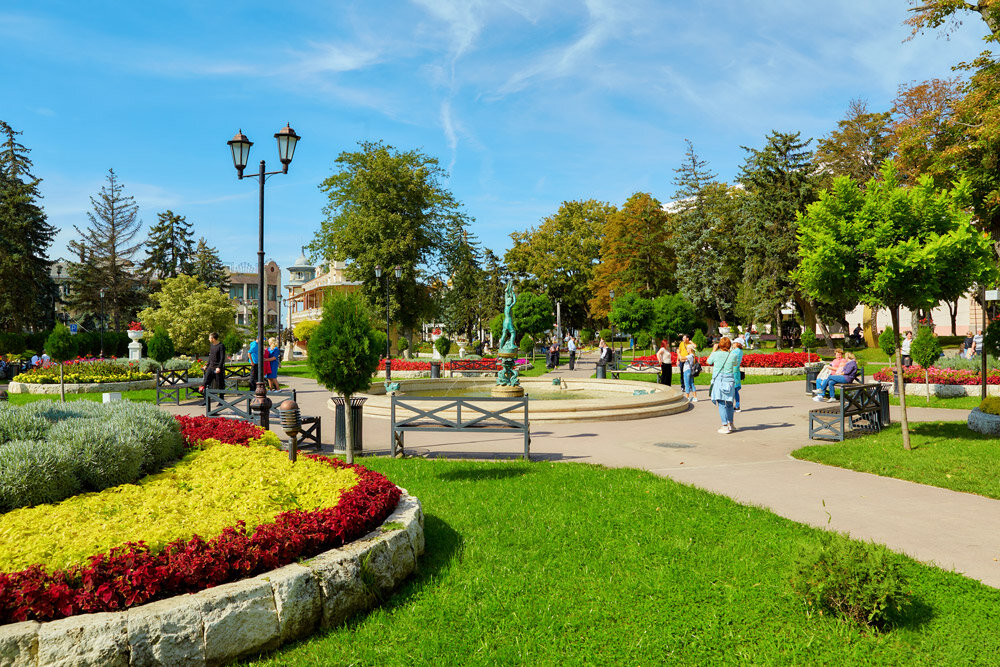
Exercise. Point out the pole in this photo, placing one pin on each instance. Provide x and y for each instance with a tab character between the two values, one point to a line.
388	361
102	324
559	321
982	368
261	403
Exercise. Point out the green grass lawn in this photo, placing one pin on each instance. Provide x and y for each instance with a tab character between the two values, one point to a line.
957	403
945	454
561	563
139	396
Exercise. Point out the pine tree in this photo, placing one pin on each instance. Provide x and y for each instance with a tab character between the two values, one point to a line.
208	268
707	252
107	247
461	263
169	247
27	292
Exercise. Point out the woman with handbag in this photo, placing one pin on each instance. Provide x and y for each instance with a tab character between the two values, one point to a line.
722	391
737	349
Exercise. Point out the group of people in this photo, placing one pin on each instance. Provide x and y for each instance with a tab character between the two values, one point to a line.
972	346
842	370
215	365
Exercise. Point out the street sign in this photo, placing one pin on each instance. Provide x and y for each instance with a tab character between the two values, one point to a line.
73	327
992	295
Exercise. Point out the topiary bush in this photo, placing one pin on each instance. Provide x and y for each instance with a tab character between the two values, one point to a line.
586	335
527	345
402	344
606	335
990	405
859	581
161	346
887	342
808	339
698	338
443	345
80	445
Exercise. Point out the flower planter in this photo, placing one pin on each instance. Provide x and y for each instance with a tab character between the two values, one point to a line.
983	422
136	335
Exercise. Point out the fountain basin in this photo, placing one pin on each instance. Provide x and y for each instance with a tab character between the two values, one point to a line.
581	401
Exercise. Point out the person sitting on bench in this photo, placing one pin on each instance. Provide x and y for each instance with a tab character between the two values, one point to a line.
846	375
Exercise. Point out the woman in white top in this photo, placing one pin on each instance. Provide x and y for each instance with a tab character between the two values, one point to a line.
664	356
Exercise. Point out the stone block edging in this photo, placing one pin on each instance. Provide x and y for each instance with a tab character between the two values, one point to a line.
218	625
983	422
950	390
83	388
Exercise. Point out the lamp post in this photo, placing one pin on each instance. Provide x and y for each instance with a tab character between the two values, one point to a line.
378	274
612	294
102	323
280	331
240	147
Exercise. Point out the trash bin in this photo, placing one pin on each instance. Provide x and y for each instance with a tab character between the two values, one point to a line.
435	369
811	375
602	372
340	425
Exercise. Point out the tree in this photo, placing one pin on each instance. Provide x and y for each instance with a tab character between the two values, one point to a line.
532	314
558	257
61	346
925	350
636	253
26	236
106	250
461	304
891	246
947	15
160	346
305	329
922	130
169	248
857	147
189	310
631	313
709	258
780	182
673	316
387	207
208	268
344	352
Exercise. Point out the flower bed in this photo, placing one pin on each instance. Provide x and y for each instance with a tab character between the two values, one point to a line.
951	376
83	371
133	574
772	360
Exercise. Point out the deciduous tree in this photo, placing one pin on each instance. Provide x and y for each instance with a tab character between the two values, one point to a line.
857	147
189	310
891	246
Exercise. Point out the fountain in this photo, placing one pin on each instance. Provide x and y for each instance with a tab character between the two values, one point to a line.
508	385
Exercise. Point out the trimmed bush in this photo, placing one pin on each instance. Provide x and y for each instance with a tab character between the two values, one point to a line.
443	345
606	335
699	339
160	346
79	445
990	405
859	581
527	345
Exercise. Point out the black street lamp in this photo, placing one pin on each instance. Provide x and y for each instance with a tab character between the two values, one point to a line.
612	327
102	323
240	146
378	274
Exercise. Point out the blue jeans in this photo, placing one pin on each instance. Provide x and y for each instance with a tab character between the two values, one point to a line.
831	382
736	404
687	381
726	411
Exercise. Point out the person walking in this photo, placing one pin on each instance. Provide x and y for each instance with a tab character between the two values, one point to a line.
846	375
272	371
215	366
737	349
904	349
664	356
687	375
723	388
571	346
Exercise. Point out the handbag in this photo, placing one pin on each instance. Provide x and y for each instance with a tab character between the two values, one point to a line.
743	375
695	368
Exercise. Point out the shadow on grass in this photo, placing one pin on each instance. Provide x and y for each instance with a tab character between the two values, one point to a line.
956	430
482	474
916	615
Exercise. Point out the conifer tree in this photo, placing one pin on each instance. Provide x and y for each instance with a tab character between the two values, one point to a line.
28	293
460	256
208	268
169	247
107	250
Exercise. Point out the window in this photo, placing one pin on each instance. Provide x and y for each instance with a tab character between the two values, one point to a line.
236	292
272	292
251	292
239	319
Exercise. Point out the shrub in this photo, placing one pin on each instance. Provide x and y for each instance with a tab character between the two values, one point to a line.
887	342
527	345
586	335
990	405
80	445
11	343
443	345
808	339
859	581
160	346
643	341
606	335
304	330
402	344
178	364
699	339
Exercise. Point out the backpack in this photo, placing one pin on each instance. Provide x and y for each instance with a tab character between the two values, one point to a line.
695	368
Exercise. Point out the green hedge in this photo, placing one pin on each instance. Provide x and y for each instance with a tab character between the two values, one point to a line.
50	451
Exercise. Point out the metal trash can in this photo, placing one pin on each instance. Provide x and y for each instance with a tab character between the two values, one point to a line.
602	372
811	375
340	425
435	370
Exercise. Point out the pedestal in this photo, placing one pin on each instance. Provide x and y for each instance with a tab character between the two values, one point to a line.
134	351
508	385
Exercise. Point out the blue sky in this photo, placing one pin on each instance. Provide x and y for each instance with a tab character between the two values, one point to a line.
525	103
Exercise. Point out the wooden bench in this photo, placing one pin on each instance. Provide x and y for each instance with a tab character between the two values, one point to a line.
428	414
862	407
474	366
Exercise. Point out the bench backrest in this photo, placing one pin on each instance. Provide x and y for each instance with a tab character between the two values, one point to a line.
166	378
480	413
860	398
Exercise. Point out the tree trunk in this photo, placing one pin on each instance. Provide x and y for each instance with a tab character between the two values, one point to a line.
899	375
62	384
349	426
953	314
777	317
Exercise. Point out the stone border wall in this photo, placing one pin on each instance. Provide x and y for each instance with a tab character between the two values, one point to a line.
220	624
88	388
948	390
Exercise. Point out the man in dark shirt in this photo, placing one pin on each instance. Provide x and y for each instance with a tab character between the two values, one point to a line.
215	367
966	352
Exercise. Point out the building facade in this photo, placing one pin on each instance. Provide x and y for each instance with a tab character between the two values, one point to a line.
244	284
307	285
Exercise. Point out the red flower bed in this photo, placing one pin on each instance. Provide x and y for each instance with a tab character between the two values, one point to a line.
772	360
231	431
939	375
131	574
403	365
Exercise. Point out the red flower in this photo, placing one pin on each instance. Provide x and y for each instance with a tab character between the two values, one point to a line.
134	326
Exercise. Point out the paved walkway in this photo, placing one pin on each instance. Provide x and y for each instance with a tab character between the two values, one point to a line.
952	530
